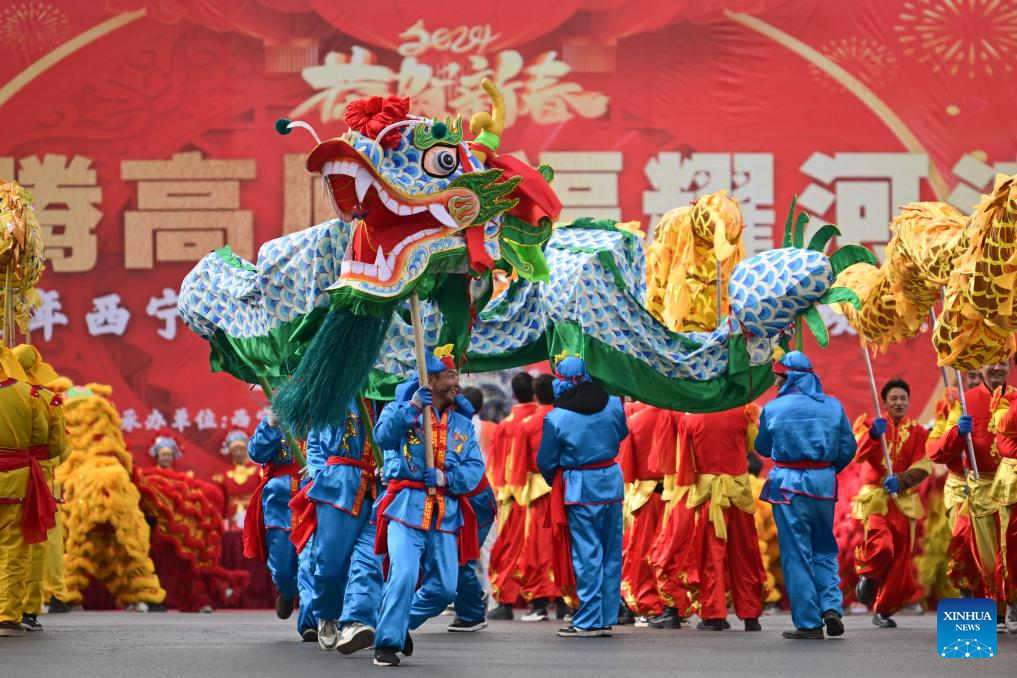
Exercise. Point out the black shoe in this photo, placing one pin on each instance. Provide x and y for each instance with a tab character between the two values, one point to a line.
309	635
407	645
573	632
57	606
156	607
30	622
804	634
385	656
883	622
752	624
460	626
284	606
503	612
834	625
10	629
668	619
865	590
713	625
625	616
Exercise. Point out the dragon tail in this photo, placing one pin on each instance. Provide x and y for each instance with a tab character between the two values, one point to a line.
332	371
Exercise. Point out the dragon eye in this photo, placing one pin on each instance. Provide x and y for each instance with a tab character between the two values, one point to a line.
440	161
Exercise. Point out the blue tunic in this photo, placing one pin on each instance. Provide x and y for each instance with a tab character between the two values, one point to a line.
797	427
405	460
268	446
337	485
571	440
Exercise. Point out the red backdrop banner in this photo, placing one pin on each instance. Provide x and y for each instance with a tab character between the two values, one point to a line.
145	131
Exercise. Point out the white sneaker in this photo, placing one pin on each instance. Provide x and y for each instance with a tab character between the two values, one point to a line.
1011	619
536	615
328	634
355	637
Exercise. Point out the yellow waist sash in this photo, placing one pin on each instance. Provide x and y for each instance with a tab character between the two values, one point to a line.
637	493
980	501
954	490
723	491
874	500
1004	485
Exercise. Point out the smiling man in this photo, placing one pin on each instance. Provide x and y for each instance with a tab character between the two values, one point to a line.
888	504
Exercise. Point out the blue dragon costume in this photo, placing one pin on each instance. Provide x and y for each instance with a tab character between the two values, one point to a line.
323	312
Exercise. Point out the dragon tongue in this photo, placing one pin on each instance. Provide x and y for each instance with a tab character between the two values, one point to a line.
441	215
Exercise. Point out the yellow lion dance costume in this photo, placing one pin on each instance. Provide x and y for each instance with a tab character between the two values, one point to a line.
107	535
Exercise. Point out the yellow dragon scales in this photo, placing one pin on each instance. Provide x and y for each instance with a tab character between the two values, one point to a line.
936	251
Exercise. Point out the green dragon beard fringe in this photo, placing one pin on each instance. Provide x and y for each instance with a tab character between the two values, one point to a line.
334	369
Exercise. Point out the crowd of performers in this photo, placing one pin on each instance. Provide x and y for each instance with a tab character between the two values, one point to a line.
607	512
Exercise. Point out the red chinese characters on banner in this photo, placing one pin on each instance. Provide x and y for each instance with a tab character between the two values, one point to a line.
148	141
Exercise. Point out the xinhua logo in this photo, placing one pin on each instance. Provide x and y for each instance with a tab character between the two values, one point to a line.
966	628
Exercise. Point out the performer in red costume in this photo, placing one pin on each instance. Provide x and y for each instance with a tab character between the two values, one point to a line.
889	506
644	483
975	544
511	514
533	568
239	482
675	530
712	483
1004	492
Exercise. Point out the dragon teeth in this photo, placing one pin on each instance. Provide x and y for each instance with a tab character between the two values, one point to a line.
441	215
363	184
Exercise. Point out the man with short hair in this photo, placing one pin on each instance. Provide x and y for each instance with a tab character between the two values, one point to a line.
888	505
809	438
512	516
533	568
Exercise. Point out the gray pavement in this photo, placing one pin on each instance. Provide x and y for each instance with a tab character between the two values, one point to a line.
250	644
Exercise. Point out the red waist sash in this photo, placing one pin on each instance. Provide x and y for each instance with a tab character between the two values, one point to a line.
469	549
805	465
481	486
305	515
254	519
558	520
39	510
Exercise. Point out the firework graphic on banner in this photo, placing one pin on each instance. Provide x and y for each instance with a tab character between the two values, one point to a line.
960	36
33	27
864	58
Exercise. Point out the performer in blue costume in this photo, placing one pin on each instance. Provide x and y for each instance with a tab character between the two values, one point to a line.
470	604
337	525
426	537
577	453
307	619
809	438
267	525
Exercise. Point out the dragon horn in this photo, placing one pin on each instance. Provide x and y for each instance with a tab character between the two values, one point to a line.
489	126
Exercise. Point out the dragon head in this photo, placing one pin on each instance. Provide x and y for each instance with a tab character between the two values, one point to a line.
421	199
